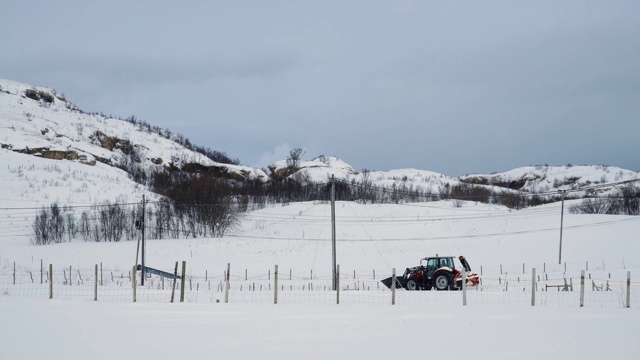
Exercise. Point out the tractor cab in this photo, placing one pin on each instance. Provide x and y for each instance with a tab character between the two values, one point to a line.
434	263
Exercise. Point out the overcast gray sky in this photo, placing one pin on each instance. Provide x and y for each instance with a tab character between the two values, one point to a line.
455	87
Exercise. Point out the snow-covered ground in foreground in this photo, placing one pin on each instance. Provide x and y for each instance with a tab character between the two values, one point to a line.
87	330
296	236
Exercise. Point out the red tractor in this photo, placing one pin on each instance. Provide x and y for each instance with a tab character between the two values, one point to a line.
435	272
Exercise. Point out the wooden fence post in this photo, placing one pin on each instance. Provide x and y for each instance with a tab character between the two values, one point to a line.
50	281
41	271
533	287
226	287
582	288
14	273
338	284
275	285
175	277
628	289
95	285
393	287
134	282
464	287
184	277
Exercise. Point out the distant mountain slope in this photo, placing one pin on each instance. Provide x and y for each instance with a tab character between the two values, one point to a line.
322	168
540	179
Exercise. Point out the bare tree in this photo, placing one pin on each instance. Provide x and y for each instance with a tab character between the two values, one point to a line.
72	228
595	205
41	228
85	225
295	155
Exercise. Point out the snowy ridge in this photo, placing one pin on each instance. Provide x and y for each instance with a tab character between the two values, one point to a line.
540	179
39	127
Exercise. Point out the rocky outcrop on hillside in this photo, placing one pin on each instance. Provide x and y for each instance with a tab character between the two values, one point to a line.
42	122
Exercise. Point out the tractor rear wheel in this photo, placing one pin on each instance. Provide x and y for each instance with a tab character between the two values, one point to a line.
443	282
412	285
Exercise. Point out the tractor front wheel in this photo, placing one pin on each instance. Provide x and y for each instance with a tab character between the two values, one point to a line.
412	285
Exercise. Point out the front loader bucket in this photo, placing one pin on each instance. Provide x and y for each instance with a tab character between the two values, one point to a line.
387	282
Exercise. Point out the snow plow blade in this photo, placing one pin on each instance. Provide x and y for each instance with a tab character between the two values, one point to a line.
387	282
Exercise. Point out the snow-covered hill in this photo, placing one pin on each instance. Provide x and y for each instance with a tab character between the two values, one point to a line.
54	151
48	142
540	179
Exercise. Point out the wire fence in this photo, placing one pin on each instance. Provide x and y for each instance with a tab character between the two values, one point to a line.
597	288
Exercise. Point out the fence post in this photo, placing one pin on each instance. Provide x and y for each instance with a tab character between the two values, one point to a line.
393	287
41	271
134	282
338	284
184	277
95	285
226	287
50	281
533	287
275	285
628	289
582	288
14	273
464	287
175	277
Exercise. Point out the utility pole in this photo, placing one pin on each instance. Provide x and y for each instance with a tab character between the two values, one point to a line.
142	229
564	193
333	230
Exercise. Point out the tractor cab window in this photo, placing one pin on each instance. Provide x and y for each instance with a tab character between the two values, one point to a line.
448	262
432	265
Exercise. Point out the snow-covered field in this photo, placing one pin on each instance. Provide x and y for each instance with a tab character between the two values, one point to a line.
503	245
497	322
